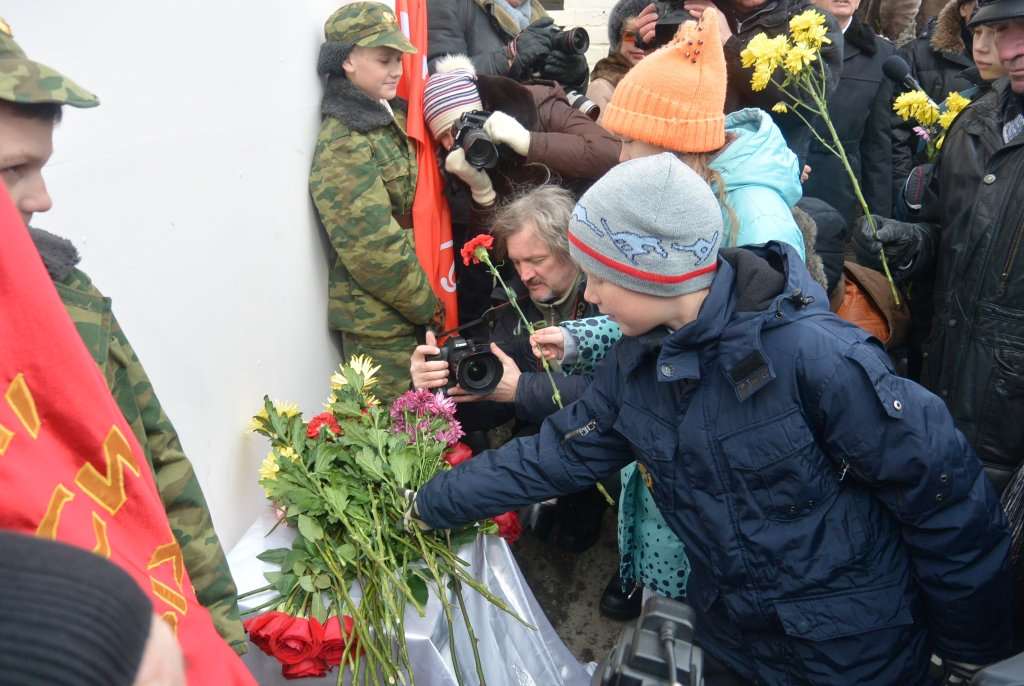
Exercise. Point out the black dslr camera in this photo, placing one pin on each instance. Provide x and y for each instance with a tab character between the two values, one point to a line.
571	41
471	365
658	651
670	15
481	152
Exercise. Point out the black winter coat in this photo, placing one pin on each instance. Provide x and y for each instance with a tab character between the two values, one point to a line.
975	357
480	30
773	20
935	59
860	110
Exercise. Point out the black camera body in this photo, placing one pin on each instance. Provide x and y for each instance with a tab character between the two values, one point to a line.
660	645
471	365
670	15
481	152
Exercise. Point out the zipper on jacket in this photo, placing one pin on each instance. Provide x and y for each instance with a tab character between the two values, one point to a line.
847	467
582	431
1009	258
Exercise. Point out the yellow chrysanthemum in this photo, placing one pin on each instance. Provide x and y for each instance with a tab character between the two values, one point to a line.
331	399
780	107
798	57
287	409
765	55
289	453
946	119
269	468
955	104
363	364
809	28
916	105
371	400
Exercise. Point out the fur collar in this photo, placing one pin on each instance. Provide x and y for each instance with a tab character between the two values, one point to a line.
500	94
946	37
860	35
356	109
809	230
612	68
59	254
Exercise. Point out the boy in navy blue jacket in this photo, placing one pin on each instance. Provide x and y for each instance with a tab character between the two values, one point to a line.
839	528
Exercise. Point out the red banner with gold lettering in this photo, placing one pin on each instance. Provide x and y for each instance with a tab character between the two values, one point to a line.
431	217
70	467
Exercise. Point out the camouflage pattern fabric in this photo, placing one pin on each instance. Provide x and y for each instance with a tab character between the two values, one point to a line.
23	80
179	489
368	25
392	354
378	288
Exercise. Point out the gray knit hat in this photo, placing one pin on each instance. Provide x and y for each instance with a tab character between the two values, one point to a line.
623	10
650	225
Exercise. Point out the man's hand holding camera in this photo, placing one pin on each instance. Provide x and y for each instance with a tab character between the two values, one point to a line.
531	45
434	374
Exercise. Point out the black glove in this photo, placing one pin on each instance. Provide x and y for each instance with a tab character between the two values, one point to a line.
531	46
908	247
569	70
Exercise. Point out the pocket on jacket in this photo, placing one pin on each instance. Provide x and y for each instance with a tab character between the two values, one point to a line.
393	168
820	618
654	444
782	466
1000	432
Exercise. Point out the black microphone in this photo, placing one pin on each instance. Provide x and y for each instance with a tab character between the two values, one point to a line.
896	69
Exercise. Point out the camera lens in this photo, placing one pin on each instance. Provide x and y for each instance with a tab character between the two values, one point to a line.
480	151
479	373
572	42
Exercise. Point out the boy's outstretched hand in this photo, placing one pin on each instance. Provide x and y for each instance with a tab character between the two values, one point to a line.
551	340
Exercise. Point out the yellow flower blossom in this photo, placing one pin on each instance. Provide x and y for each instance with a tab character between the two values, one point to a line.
765	55
362	364
371	400
955	103
809	28
916	105
331	399
938	145
269	468
289	453
798	57
286	409
780	107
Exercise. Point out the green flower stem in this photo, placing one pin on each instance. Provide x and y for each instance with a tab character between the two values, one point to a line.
264	606
443	596
557	395
254	592
457	585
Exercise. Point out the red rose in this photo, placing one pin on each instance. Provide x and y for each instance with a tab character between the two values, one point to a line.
508	526
484	241
323	419
312	667
459	454
265	627
334	643
297	641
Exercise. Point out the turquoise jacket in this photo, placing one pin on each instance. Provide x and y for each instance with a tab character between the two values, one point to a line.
762	182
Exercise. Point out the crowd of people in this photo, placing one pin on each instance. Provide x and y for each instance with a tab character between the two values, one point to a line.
820	466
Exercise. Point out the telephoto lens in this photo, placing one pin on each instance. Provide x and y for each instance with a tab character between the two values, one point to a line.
583	104
481	153
572	41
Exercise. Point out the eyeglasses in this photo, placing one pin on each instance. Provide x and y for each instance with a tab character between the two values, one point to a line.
629	36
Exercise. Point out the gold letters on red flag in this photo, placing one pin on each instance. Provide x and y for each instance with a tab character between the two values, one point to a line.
71	469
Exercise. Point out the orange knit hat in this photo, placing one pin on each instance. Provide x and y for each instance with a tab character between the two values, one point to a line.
675	97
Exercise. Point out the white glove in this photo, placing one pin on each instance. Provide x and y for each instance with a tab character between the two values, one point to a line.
504	129
478	181
412	512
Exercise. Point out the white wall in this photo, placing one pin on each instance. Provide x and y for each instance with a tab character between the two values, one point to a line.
185	192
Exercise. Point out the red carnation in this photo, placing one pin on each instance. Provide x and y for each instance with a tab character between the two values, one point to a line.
323	419
313	667
469	250
459	454
508	526
334	643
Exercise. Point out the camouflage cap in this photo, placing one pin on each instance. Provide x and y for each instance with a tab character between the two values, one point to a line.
23	80
368	25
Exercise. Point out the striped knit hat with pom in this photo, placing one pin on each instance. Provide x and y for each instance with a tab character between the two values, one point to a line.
675	97
450	92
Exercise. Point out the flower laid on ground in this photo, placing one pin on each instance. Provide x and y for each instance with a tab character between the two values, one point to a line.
340	481
802	83
475	250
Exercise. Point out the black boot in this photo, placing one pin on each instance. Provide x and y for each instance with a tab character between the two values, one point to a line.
618	605
581	524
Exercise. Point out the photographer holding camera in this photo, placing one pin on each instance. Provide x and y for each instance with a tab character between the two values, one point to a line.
531	232
514	38
501	137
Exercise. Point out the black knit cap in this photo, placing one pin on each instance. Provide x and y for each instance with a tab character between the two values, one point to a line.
67	616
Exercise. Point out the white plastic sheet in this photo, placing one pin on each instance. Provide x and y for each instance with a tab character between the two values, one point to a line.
511	654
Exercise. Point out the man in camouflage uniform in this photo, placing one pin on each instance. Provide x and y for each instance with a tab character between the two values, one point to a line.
31	97
363	182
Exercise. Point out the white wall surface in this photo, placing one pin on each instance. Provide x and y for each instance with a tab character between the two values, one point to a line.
185	192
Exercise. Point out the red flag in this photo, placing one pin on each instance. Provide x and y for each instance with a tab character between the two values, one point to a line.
70	467
431	218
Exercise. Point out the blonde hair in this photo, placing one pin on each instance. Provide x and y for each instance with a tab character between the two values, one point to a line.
700	162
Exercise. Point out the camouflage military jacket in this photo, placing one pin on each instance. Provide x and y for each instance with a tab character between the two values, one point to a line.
179	489
363	176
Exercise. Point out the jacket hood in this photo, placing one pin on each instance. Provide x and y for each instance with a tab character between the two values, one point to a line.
356	110
756	288
946	34
759	156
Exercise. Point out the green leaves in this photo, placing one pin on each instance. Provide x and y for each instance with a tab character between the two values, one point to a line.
274	557
419	589
371	464
310	528
402	465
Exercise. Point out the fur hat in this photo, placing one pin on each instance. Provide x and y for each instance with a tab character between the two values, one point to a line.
450	92
623	10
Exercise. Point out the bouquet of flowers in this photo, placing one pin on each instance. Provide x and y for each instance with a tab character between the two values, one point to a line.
803	74
341	481
932	120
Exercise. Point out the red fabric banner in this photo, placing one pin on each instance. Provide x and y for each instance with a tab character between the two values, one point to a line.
71	468
431	218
